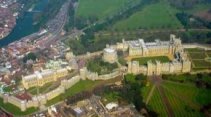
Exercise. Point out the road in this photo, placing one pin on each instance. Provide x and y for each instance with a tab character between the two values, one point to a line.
62	16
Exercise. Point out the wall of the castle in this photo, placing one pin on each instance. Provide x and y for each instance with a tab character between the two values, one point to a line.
158	68
41	99
69	83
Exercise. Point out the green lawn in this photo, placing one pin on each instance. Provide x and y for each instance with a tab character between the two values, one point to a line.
144	60
209	54
198	55
101	8
186	99
145	91
201	64
157	104
15	110
194	50
33	90
159	15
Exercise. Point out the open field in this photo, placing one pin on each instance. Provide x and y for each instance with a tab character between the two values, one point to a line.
200	58
144	60
150	18
101	8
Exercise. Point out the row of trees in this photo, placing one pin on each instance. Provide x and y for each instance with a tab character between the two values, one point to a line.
200	80
190	21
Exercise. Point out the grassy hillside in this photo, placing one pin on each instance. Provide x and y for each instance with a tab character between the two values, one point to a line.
101	8
159	15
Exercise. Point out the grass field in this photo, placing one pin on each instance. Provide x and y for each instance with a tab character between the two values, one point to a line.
198	55
145	91
194	50
157	105
144	60
150	18
199	58
42	89
186	99
201	63
209	54
101	8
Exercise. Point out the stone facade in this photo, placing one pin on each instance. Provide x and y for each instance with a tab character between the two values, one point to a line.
43	77
86	74
157	48
172	48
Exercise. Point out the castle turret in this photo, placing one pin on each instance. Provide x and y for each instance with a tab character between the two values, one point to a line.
83	73
149	68
186	66
109	55
158	68
135	67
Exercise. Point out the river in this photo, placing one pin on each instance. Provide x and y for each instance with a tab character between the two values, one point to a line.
24	25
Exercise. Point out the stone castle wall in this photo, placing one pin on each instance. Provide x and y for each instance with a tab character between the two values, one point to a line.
159	68
65	84
85	74
41	99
